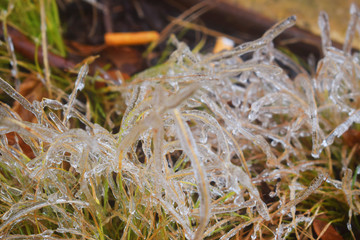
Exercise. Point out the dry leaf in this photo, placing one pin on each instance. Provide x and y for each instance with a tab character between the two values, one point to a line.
32	89
84	50
351	137
330	233
24	147
127	60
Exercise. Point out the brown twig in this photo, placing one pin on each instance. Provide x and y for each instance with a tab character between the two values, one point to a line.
27	48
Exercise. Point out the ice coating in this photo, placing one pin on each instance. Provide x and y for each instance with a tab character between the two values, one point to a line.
324	26
202	136
6	87
188	144
350	33
79	85
13	62
23	210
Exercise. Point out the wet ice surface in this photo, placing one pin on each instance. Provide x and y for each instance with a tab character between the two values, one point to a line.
202	123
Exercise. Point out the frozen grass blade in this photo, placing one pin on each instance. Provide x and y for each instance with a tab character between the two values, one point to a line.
11	216
189	145
341	129
254	45
6	87
44	47
315	184
279	27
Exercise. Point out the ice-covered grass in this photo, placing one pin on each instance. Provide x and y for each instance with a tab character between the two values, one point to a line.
209	146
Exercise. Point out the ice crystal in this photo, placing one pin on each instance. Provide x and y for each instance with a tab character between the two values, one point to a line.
201	123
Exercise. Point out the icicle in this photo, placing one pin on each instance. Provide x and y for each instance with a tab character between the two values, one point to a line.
256	230
324	25
13	62
350	32
279	27
312	113
79	85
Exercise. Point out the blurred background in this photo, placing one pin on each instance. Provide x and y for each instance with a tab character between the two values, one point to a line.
307	12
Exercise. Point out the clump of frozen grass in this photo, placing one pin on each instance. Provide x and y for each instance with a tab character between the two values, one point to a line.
199	140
